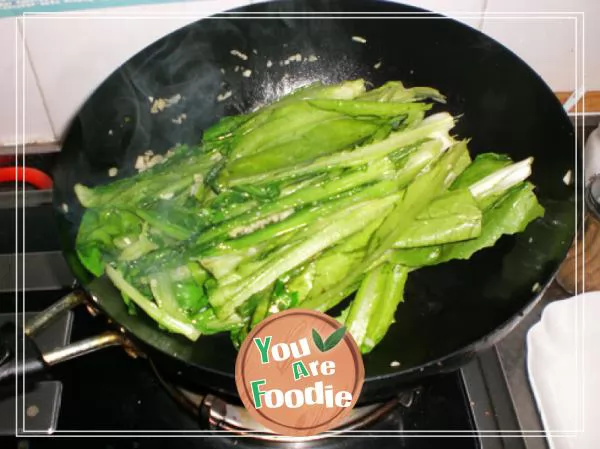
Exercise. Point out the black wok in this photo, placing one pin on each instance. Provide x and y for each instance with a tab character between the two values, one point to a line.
451	311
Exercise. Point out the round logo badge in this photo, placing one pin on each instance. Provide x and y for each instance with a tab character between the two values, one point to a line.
299	373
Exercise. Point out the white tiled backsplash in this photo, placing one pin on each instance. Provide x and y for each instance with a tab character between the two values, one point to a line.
17	79
68	55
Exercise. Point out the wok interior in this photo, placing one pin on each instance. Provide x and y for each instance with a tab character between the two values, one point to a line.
504	108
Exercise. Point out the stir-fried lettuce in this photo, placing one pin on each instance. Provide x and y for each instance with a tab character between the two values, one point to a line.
331	191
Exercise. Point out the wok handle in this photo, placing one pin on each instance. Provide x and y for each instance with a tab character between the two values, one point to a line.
44	318
32	361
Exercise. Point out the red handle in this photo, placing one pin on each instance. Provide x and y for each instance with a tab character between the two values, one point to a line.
33	176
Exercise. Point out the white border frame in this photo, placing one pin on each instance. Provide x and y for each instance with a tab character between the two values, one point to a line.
579	60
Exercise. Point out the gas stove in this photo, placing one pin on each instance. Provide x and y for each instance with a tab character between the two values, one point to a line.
112	392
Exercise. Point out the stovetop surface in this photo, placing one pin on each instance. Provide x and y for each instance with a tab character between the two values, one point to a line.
110	391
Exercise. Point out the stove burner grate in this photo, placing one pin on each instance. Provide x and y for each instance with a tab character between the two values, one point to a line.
215	413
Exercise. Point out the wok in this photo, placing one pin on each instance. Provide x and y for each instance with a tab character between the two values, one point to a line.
451	311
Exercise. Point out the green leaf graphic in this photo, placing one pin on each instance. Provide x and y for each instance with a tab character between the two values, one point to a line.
331	341
318	340
334	338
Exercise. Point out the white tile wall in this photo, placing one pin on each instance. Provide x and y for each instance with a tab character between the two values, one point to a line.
37	125
548	46
526	36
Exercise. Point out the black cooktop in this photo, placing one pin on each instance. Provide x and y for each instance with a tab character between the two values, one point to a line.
109	390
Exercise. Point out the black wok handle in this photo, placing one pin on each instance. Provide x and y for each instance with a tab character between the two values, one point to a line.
30	360
32	363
